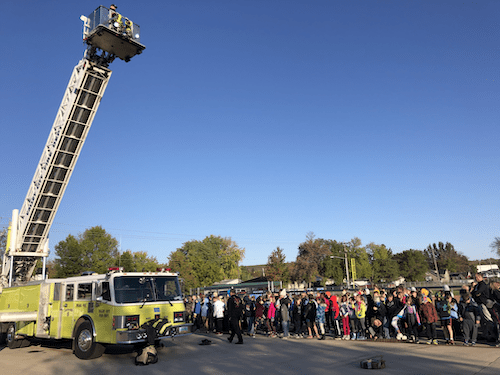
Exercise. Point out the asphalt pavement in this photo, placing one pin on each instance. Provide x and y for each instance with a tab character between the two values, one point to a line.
259	356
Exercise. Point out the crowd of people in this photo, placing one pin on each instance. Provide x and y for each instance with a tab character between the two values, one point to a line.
397	314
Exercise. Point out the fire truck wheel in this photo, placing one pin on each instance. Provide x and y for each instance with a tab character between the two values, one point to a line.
84	344
12	342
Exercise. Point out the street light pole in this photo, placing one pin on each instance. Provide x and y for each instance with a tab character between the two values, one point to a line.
346	266
435	263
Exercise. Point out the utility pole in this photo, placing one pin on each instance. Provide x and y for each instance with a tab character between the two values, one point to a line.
346	263
435	263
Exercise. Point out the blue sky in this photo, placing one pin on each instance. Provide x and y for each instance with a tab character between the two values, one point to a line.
265	120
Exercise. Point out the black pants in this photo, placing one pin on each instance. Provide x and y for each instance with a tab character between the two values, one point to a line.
411	320
297	325
431	331
219	323
234	326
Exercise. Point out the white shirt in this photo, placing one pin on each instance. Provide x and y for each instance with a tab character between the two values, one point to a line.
218	309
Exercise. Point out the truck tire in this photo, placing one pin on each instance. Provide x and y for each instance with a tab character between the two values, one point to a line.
84	342
10	338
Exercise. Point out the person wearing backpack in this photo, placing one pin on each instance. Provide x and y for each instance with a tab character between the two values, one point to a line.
310	317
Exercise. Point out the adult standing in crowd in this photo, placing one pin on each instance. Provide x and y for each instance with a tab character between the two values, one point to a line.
234	310
481	295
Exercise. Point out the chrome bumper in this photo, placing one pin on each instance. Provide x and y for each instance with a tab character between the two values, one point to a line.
177	331
139	335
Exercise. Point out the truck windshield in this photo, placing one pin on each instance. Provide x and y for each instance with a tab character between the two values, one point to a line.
134	289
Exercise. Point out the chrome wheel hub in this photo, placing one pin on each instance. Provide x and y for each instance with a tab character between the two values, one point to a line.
85	340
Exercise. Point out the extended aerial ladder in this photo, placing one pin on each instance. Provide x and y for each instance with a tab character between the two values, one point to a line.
107	35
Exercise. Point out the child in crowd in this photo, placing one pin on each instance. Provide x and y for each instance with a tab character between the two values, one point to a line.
321	316
455	319
218	314
297	316
396	323
360	311
250	314
310	316
412	319
344	313
429	316
271	314
335	315
377	315
352	317
392	306
259	314
443	307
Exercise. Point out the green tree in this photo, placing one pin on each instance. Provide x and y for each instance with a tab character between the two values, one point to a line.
143	262
495	245
333	266
94	250
213	259
412	264
138	261
70	258
178	262
311	254
228	254
361	257
276	268
384	266
447	258
126	260
51	268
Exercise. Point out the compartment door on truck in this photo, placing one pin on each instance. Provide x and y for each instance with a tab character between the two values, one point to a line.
56	311
68	307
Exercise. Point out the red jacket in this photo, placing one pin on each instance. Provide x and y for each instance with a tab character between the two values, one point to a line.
328	303
428	313
334	306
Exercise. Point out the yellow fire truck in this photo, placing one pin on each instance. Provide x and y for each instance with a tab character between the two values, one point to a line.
95	310
92	310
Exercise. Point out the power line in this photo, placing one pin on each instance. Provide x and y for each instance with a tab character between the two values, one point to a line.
165	236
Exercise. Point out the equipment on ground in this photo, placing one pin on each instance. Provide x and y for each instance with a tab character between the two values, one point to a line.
373	363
